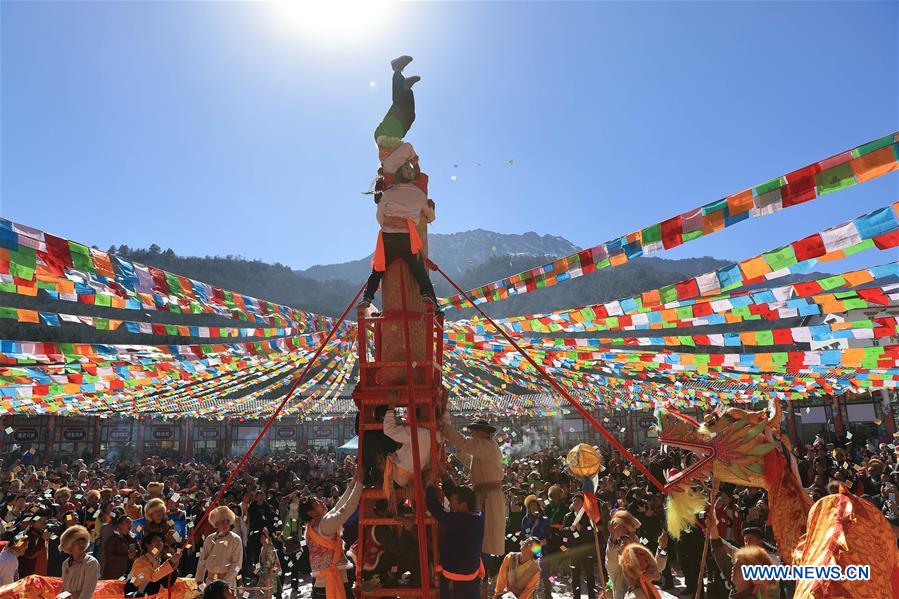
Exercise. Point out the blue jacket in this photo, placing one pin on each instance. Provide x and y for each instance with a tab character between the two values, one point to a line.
538	526
461	536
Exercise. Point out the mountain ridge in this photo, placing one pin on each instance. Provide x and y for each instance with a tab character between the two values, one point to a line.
448	249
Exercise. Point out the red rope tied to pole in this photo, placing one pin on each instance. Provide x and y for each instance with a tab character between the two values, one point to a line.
271	420
575	403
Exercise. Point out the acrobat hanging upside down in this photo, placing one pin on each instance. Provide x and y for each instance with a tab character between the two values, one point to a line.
401	191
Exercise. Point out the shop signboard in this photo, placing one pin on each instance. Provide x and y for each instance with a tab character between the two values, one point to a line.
209	434
287	432
120	434
26	433
74	434
647	422
163	433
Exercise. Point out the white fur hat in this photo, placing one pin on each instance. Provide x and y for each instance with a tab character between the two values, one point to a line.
72	534
220	513
152	506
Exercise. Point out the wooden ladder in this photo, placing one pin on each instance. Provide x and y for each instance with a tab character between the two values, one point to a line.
401	362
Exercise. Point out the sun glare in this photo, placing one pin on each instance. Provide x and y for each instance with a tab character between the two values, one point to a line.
342	20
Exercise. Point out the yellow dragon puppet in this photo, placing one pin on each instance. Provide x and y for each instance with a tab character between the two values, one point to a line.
746	448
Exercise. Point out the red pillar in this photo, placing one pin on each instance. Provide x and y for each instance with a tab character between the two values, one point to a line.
51	436
629	429
96	451
187	442
5	423
141	426
791	423
837	415
887	409
228	437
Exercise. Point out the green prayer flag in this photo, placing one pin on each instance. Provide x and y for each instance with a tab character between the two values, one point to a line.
684	312
834	179
102	299
652	234
833	282
742	311
855	304
21	271
764	338
173	282
858	247
668	293
781	257
691	235
769	186
872	145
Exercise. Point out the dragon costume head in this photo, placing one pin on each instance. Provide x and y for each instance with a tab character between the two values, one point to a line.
733	446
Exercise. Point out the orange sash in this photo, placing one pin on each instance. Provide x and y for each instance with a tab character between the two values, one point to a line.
333	580
479	573
379	260
649	588
391	467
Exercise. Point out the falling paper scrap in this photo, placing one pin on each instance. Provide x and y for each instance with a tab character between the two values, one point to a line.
452	177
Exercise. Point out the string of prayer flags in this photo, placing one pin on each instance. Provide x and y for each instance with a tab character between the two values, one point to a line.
858	165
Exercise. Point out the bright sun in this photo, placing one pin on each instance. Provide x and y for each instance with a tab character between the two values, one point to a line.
333	19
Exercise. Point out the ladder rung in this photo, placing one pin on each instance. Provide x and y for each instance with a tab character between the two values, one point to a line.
379	494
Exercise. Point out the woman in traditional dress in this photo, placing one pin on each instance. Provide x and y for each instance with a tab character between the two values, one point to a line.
269	568
80	572
520	573
152	570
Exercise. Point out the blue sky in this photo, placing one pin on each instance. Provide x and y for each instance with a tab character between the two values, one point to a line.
223	128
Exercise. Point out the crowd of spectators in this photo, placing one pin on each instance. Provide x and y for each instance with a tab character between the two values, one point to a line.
140	522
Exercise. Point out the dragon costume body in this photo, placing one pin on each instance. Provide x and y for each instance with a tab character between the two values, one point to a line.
746	448
48	587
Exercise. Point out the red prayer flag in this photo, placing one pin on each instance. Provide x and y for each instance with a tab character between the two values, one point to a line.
672	232
810	247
